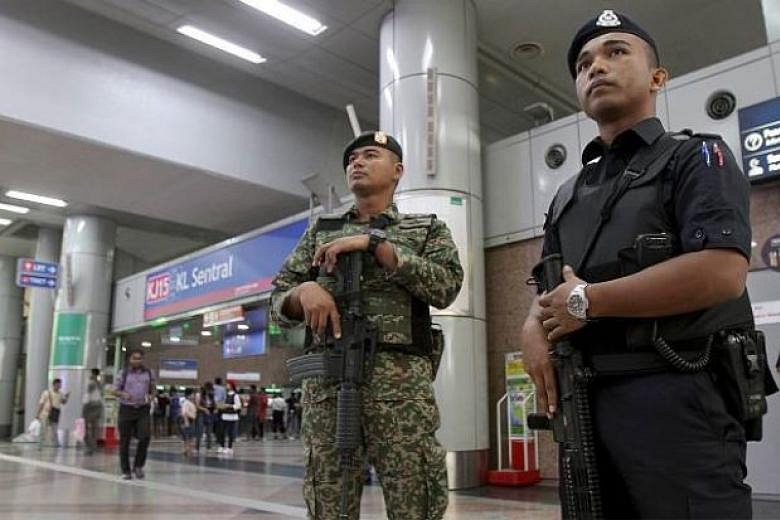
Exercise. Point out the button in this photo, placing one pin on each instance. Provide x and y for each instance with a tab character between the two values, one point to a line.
726	231
699	234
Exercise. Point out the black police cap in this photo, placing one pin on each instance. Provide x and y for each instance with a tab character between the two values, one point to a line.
379	139
607	22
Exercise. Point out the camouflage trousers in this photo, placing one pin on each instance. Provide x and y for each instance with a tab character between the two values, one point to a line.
398	440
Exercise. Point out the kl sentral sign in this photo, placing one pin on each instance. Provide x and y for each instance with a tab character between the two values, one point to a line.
235	270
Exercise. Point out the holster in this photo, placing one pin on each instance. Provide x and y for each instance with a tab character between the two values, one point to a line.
740	361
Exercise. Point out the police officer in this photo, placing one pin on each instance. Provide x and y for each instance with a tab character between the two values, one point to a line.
666	444
408	265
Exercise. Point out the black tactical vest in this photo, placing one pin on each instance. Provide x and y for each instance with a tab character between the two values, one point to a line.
643	207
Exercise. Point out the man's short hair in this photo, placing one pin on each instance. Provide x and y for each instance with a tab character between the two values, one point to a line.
58	380
95	371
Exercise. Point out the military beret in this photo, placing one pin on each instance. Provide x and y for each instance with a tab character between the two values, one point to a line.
379	139
607	22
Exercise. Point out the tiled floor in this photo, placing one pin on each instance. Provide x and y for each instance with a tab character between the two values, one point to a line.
262	481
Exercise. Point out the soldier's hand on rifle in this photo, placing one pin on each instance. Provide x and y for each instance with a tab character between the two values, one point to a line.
555	316
536	359
318	308
328	254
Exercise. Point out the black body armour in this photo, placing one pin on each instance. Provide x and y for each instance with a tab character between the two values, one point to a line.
600	225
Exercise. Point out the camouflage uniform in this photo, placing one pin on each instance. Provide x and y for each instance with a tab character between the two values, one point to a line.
400	416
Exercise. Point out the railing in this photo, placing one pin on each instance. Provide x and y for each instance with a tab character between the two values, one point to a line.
528	402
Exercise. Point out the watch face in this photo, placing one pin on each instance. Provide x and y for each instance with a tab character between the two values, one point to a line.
576	305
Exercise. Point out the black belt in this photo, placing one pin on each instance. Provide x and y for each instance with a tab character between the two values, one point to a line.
644	361
134	406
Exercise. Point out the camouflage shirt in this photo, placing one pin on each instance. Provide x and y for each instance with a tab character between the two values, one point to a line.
428	268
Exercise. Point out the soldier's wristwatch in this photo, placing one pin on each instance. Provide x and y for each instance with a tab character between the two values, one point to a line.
375	236
577	302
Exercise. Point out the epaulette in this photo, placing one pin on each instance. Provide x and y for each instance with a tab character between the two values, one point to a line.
687	133
329	222
417	219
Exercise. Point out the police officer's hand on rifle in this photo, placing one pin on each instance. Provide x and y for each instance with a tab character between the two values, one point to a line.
536	359
555	317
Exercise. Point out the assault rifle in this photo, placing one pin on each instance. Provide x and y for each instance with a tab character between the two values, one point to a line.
571	425
348	361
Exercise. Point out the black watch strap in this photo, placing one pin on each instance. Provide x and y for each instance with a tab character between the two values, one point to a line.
375	236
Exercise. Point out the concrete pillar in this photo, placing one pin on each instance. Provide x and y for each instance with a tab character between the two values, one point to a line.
82	308
10	340
39	321
429	102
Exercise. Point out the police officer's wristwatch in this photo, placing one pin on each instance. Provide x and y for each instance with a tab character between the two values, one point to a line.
375	237
577	302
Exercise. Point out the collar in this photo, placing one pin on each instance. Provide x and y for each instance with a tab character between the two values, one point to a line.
390	211
647	131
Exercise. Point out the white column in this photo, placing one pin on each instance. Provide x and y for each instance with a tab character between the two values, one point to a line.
429	102
10	340
87	262
38	334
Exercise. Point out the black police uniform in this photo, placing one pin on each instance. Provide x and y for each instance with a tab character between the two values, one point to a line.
667	447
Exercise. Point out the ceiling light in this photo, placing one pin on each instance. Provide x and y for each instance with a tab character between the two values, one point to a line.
146	344
243	326
5	222
288	15
219	43
205	333
14	209
36	198
175	339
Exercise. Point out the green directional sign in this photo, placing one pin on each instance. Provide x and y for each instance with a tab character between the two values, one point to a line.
70	332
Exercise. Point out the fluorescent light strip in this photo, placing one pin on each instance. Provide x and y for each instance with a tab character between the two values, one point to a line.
219	43
40	199
288	15
14	209
5	222
205	333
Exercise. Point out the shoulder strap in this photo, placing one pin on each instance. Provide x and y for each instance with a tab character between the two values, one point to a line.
656	155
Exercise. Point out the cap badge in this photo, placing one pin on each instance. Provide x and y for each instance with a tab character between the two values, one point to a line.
380	138
608	18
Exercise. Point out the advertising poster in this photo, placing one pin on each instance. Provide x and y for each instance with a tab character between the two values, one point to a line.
518	388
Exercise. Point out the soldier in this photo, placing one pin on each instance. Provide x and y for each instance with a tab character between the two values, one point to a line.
410	264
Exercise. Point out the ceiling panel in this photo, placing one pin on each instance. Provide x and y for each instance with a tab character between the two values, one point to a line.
355	47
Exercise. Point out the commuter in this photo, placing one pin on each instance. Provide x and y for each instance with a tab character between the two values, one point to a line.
230	411
262	411
293	415
92	411
219	400
205	403
189	417
665	289
278	406
174	411
251	412
160	412
134	387
49	409
244	423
